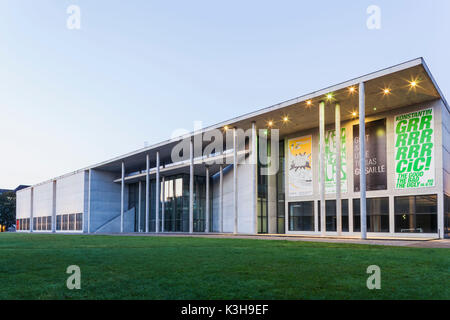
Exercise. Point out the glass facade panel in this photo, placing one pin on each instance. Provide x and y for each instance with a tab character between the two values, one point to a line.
65	222
262	208
176	204
79	221
377	215
281	208
71	221
331	219
301	216
416	214
58	223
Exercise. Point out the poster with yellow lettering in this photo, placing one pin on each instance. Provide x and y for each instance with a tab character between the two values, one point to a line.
300	172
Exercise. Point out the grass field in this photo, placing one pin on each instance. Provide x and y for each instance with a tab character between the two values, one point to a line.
113	267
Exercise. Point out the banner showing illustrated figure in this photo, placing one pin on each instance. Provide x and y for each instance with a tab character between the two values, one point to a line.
414	150
330	161
300	166
375	156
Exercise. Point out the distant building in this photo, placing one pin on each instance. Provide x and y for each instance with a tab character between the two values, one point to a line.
4	190
20	187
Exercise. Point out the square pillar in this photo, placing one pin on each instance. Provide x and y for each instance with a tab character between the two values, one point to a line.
235	187
147	194
221	199
254	163
362	159
157	195
191	187
31	210
338	168
322	167
122	196
54	207
139	206
163	203
207	202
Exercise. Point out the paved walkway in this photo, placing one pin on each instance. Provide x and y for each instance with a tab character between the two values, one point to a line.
401	242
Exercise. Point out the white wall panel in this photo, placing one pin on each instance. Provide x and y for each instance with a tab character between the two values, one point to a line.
23	203
43	200
70	194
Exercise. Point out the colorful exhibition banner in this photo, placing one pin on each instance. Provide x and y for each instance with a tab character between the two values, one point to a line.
414	150
300	166
375	156
330	161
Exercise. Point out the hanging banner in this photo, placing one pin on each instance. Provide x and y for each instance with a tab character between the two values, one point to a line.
330	161
414	150
375	156
300	166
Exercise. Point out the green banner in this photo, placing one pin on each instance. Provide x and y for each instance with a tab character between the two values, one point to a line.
414	150
330	161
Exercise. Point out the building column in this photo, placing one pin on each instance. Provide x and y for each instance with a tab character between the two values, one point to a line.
54	207
147	194
157	193
441	215
89	201
338	168
122	196
31	210
362	159
207	202
322	167
235	187
221	199
139	206
163	203
191	187
254	163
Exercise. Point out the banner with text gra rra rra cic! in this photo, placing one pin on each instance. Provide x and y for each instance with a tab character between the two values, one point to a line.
414	150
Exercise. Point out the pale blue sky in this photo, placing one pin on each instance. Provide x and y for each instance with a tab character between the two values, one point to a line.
138	70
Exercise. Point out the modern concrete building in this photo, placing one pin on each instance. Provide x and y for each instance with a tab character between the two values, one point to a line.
275	170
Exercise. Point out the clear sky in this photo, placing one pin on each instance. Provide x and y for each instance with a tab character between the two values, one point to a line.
138	70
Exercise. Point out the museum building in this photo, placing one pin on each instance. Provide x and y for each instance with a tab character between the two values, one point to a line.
279	170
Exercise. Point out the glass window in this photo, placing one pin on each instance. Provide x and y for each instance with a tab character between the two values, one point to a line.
72	221
65	222
79	223
331	219
377	210
281	209
301	216
58	223
416	214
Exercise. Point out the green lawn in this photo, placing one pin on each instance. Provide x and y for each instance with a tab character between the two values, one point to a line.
113	267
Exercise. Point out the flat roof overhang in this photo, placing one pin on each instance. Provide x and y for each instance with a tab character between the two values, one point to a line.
200	165
303	117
